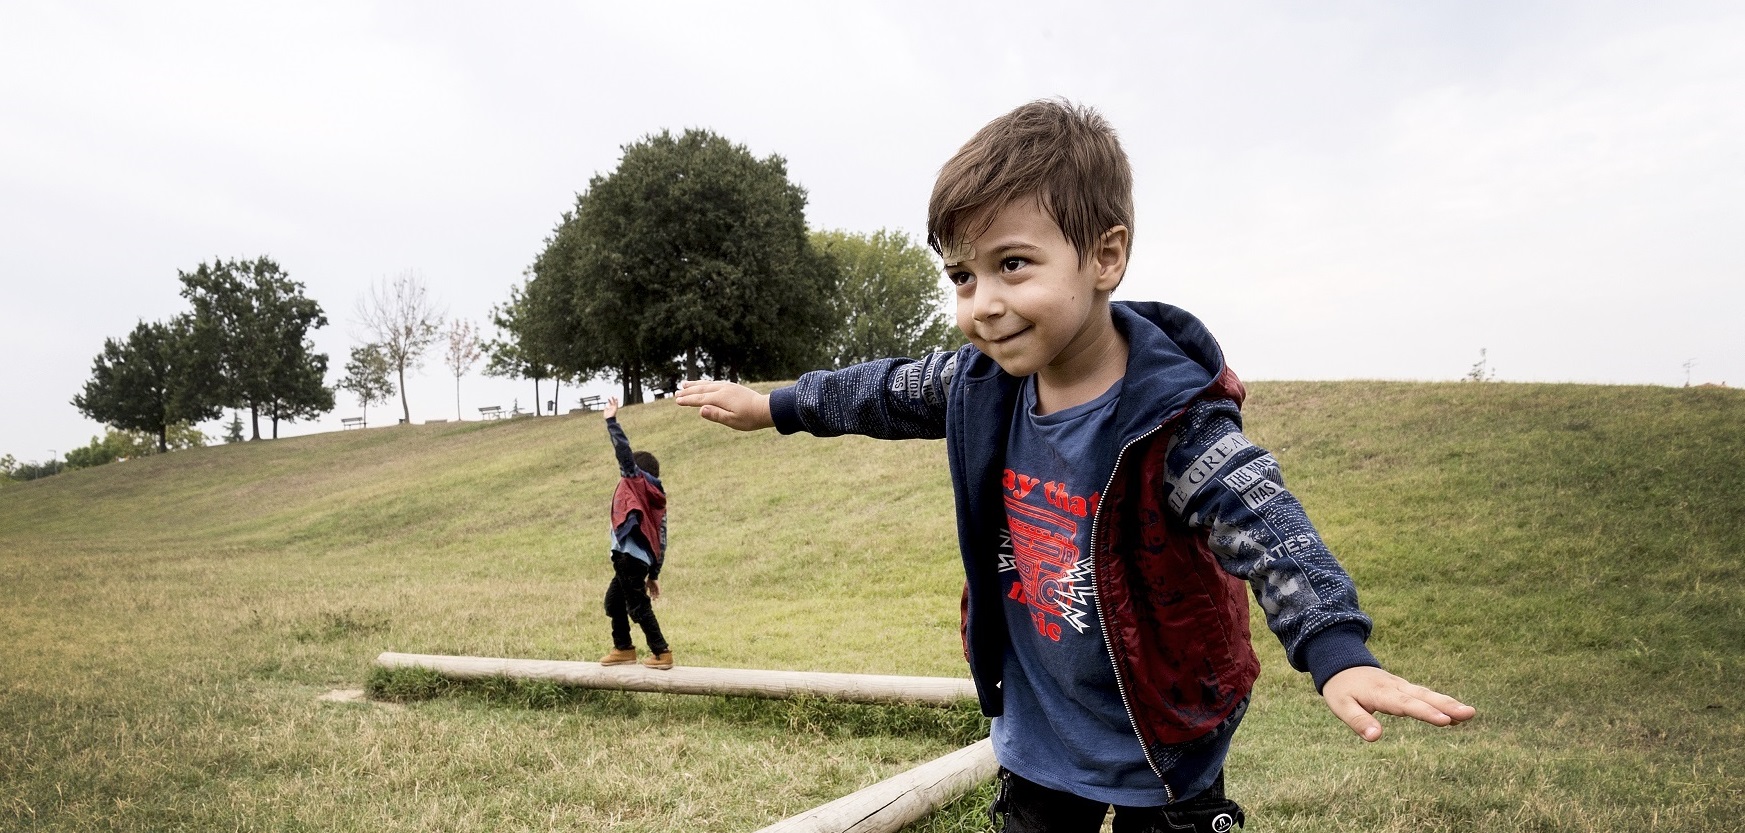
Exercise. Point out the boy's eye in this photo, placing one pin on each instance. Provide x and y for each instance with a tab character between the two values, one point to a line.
960	277
1013	264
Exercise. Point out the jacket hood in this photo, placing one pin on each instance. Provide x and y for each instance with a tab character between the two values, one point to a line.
1172	360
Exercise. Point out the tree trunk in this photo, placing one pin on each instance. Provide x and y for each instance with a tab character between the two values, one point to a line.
630	378
556	395
632	384
163	443
405	409
254	420
536	395
457	399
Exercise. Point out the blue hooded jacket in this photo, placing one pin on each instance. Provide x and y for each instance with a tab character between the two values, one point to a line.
1192	510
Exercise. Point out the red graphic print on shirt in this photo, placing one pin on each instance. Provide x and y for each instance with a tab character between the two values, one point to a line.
1048	529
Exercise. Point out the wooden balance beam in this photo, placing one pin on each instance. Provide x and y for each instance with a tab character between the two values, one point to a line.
741	682
901	800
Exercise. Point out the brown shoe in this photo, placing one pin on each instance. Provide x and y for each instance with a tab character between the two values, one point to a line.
662	660
619	656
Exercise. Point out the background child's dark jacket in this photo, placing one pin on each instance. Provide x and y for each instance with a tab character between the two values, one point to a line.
640	491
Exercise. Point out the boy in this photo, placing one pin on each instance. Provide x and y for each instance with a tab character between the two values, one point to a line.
1108	506
638	550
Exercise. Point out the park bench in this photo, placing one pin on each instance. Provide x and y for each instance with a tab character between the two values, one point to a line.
593	403
352	422
491	412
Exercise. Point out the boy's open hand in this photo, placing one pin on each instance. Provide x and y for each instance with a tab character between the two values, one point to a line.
732	405
611	409
1356	694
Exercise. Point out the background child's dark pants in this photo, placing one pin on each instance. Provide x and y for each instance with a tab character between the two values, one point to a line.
627	601
1027	807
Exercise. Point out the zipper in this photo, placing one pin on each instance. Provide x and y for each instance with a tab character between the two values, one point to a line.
1103	621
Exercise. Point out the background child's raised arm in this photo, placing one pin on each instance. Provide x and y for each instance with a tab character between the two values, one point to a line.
620	442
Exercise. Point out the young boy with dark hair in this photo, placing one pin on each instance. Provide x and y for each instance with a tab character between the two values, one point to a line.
1109	509
638	550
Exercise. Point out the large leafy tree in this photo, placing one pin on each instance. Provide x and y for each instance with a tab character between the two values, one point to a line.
891	299
403	320
251	329
149	382
693	251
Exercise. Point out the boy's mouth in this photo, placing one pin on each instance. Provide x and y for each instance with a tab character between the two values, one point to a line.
1007	337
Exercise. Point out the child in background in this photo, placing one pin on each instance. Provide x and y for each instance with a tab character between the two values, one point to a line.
638	550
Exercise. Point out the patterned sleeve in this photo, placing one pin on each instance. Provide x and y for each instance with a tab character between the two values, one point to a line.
890	399
1221	482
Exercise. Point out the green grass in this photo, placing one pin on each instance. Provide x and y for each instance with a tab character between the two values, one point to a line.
1566	558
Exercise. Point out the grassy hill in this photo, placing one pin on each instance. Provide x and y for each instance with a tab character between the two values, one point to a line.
1566	558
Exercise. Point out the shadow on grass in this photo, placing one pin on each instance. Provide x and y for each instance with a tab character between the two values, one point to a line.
961	723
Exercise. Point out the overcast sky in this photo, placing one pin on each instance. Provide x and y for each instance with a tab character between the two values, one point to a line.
1340	189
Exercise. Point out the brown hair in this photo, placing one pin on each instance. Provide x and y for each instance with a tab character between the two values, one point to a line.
1065	155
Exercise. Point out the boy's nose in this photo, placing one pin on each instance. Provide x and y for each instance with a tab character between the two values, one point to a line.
989	301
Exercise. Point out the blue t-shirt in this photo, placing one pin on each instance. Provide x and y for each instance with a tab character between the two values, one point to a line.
1065	726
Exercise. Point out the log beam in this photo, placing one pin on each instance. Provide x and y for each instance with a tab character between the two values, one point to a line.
895	802
848	688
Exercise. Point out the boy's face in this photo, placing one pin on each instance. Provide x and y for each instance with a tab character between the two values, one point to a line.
1025	300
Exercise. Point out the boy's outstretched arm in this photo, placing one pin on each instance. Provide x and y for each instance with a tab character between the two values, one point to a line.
732	405
1357	693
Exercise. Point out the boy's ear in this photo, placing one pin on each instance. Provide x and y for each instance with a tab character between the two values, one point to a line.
1110	258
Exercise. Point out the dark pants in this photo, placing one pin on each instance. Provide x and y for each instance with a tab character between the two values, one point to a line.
627	600
1027	807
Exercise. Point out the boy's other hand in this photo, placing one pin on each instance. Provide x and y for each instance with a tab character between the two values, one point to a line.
1356	694
653	588
732	405
611	409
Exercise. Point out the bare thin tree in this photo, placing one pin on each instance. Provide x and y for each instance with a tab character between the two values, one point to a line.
463	352
400	316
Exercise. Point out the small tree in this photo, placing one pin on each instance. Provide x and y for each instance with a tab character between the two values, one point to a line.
462	353
233	429
400	316
1480	372
518	352
366	375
